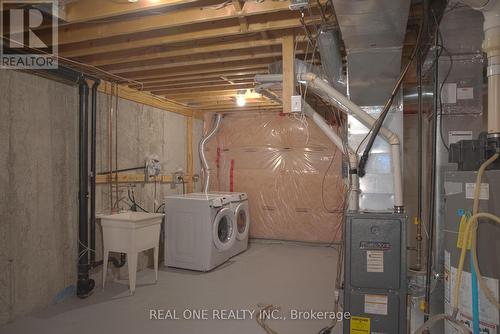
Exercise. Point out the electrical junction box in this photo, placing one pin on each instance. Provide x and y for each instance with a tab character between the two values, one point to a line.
375	273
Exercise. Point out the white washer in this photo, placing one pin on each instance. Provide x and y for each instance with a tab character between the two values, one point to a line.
200	231
239	205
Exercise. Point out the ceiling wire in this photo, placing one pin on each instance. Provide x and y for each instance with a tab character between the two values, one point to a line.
116	78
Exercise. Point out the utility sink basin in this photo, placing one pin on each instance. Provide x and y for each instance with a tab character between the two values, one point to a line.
131	219
130	233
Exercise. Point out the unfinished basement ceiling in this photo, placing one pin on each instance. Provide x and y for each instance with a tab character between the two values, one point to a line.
196	53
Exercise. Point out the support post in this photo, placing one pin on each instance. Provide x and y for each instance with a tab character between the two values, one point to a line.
288	51
189	153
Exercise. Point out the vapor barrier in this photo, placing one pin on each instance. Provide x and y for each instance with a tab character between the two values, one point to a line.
290	170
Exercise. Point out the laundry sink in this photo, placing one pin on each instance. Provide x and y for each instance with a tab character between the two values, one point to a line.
131	233
131	219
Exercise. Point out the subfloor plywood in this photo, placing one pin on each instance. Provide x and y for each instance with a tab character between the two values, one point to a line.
288	275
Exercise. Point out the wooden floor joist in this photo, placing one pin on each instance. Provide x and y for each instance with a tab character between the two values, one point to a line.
128	93
191	56
173	19
138	41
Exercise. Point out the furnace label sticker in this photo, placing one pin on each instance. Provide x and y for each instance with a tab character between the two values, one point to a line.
488	313
376	304
360	325
456	136
465	93
484	192
375	261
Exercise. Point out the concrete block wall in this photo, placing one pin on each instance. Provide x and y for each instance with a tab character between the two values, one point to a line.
39	181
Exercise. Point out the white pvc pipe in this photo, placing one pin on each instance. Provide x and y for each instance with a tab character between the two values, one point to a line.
265	78
343	103
201	151
337	141
491	45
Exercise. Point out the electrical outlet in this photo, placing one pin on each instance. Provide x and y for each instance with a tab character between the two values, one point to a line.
296	103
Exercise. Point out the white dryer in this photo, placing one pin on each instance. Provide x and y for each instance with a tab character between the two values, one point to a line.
200	231
239	205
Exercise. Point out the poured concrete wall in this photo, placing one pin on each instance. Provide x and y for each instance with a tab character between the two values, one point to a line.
142	131
38	197
39	175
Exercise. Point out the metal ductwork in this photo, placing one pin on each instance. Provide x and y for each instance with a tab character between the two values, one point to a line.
373	32
331	58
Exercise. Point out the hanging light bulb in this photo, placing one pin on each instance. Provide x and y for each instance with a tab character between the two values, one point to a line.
241	100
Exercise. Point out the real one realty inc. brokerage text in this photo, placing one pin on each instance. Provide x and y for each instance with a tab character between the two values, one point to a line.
244	314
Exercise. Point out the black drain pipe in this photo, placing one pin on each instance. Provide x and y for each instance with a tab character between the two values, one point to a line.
93	173
93	169
84	284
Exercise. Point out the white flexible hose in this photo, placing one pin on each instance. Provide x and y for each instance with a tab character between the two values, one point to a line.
471	226
473	222
434	319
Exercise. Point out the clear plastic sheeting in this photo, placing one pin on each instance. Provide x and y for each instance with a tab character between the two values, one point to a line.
290	170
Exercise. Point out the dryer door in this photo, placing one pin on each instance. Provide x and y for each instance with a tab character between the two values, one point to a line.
224	229
242	220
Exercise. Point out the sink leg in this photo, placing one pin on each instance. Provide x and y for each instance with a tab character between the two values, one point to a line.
104	266
132	270
156	262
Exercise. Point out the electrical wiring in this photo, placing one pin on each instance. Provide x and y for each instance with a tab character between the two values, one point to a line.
472	226
85	251
78	64
434	319
470	232
131	197
159	207
442	48
264	310
441	102
344	205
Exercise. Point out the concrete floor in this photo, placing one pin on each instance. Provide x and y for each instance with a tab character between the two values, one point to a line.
291	276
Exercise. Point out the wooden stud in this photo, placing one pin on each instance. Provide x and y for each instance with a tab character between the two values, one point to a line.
238	6
189	151
288	72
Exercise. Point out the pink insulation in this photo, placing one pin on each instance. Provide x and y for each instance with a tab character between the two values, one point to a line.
290	170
